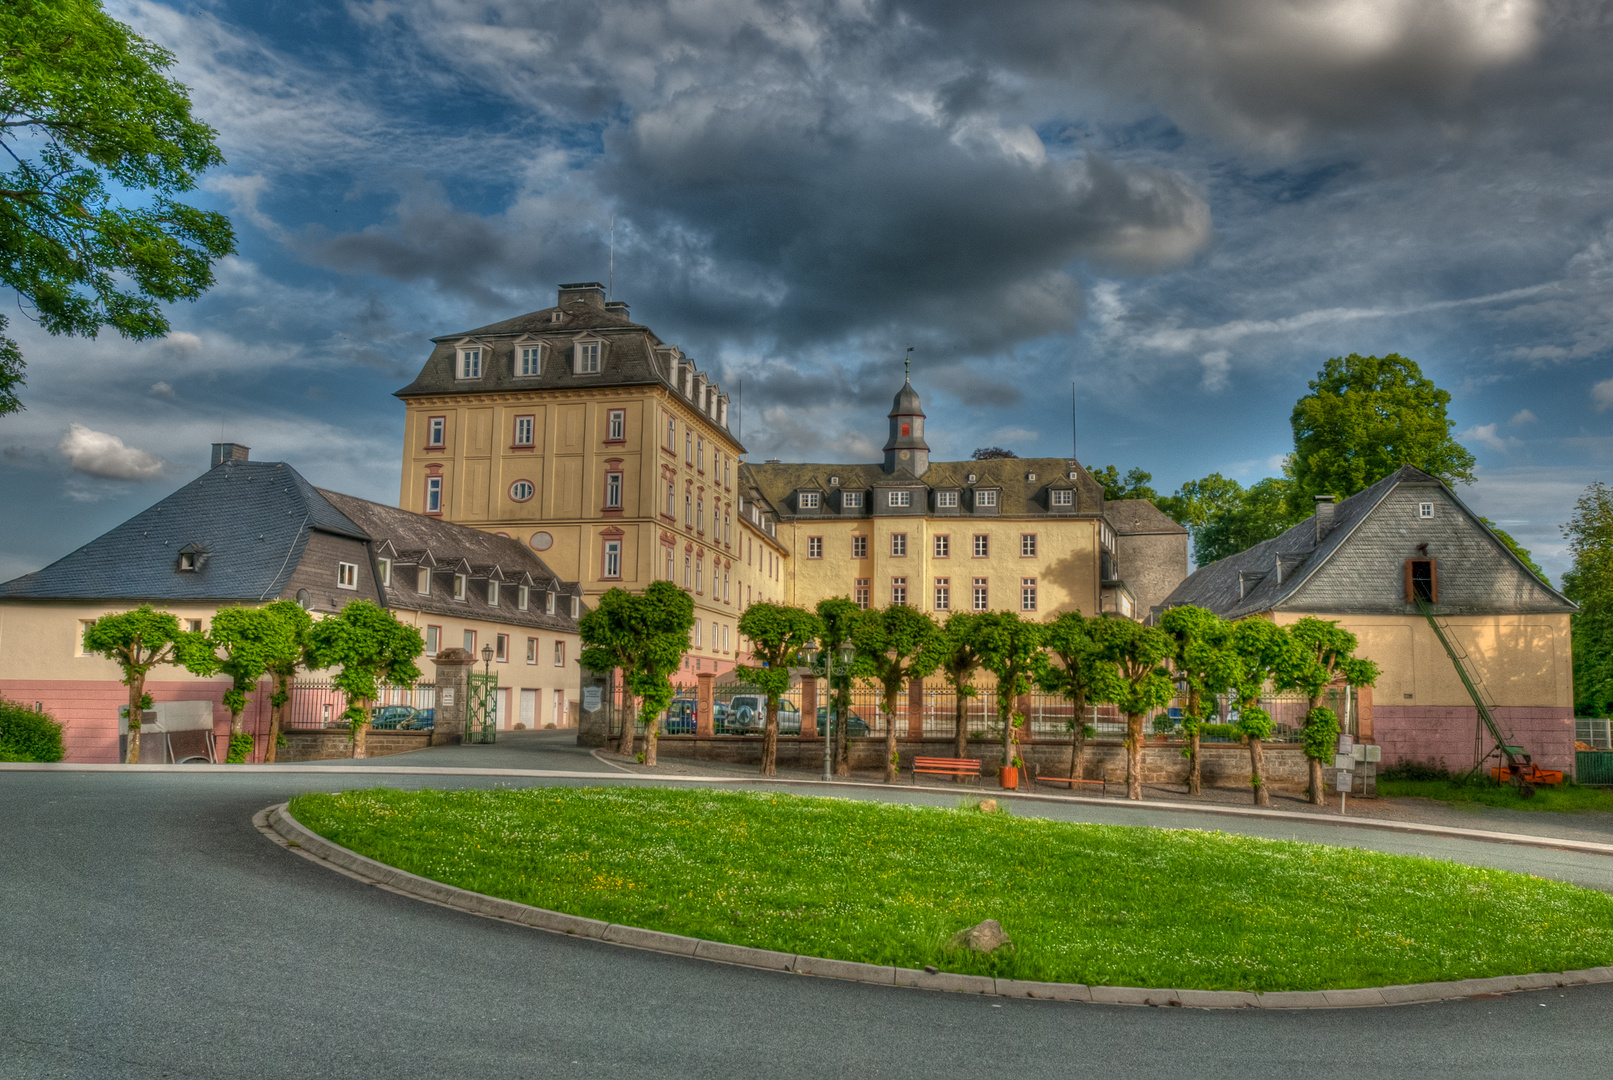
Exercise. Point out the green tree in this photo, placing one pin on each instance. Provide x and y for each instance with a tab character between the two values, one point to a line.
991	453
1589	583
959	651
644	636
231	647
1260	512
1134	485
777	634
90	228
839	616
1323	653
138	641
368	647
287	650
1200	663
895	644
1260	653
1365	417
26	735
1080	675
1011	649
1137	655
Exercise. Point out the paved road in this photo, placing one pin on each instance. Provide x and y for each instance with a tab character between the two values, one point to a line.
147	930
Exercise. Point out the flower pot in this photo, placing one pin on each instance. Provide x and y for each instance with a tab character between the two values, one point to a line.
1009	777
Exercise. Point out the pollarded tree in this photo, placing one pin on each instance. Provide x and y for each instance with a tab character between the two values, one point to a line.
777	634
368	647
839	616
1011	649
1080	676
242	643
895	645
644	636
1323	653
1201	663
1137	653
960	659
286	648
1259	653
138	641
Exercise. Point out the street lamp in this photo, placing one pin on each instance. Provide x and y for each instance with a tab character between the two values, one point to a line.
487	677
811	654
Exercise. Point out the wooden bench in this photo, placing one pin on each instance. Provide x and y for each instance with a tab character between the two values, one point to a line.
1102	785
946	766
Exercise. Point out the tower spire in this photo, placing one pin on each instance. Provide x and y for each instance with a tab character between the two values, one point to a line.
907	365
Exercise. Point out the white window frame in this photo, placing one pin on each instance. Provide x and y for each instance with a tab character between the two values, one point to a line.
529	361
616	425
946	499
898	590
433	640
461	586
501	648
518	486
810	500
1425	511
814	547
436	431
386	570
613	559
898	545
588	356
980	594
469	640
613	490
981	545
576	606
560	652
433	494
522	597
986	498
900	498
471	362
1027	545
851	500
943	594
347	575
943	546
1063	497
1027	594
525	424
492	594
422	581
859	593
859	547
532	650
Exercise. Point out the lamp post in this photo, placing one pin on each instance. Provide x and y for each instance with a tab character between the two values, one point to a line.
811	656
487	677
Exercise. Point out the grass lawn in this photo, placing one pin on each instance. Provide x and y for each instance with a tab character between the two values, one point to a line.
1568	799
887	884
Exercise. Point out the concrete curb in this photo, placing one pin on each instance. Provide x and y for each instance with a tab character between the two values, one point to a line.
277	823
1588	847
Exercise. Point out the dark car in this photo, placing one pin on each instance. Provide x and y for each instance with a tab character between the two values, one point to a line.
856	726
680	718
422	720
393	717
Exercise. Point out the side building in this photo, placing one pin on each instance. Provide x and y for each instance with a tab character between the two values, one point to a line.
246	533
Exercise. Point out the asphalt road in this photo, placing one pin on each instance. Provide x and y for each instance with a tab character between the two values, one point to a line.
148	930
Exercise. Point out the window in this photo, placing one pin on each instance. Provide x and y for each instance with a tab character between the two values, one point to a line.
982	599
898	545
1063	497
725	464
522	595
982	545
470	363
1027	546
688	509
613	559
700	515
587	358
943	594
548	603
700	575
470	643
385	566
699	634
433	494
492	594
523	431
814	547
725	637
193	625
688	447
461	585
901	498
943	547
521	490
613	491
859	547
1425	510
532	650
576	606
346	575
898	590
728	526
985	498
851	500
433	640
422	582
501	648
725	586
1027	594
436	430
1422	581
860	593
946	499
531	360
808	500
668	552
560	654
616	425
700	454
187	561
672	434
671	500
688	572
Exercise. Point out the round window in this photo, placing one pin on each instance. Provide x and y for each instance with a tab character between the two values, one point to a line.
542	541
521	490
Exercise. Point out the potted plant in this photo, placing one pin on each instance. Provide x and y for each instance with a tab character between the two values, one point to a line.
1008	777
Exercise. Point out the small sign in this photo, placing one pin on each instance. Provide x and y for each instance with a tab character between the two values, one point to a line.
1359	751
1346	741
447	695
1343	783
1374	753
592	698
1343	762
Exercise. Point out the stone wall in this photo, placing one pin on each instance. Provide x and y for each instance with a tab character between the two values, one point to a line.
332	743
1443	736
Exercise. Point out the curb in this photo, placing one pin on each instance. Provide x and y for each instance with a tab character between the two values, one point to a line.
278	825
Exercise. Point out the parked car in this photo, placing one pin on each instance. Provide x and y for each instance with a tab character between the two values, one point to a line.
680	718
423	720
747	715
393	717
856	726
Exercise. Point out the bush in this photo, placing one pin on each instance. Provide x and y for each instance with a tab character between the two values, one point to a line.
1405	769
240	749
26	735
1220	731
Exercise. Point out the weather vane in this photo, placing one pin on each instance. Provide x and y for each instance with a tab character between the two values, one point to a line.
907	365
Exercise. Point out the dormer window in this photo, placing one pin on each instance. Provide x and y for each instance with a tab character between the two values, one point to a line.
808	500
1030	478
492	594
834	481
461	586
946	499
985	498
851	500
470	362
971	478
556	315
1063	497
521	597
901	498
187	562
529	361
587	357
548	603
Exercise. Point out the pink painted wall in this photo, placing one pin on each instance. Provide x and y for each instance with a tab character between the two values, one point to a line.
1435	734
88	711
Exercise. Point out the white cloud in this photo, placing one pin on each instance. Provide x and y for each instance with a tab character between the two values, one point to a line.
162	389
98	454
1217	366
1523	416
1602	394
1485	435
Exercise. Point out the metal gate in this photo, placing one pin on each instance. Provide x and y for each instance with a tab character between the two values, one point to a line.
481	711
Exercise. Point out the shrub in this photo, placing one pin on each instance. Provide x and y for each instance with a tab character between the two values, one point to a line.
240	749
1406	769
1220	731
26	735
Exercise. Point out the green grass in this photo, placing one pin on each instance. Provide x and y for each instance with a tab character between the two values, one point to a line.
887	884
1568	799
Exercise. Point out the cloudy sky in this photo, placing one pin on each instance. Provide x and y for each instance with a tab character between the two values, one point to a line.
1182	206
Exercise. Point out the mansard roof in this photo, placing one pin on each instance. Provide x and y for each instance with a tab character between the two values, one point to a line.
1020	497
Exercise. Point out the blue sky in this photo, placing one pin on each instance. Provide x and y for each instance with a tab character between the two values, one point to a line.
1182	206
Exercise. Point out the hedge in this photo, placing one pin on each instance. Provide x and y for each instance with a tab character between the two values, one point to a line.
26	735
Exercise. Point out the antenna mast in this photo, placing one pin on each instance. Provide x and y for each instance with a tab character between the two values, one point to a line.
610	281
1073	456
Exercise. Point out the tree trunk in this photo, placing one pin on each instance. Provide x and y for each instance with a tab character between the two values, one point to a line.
362	731
1195	783
137	692
650	733
629	724
1315	763
237	728
961	721
1078	739
1257	772
1005	713
843	734
276	718
890	737
1134	756
770	738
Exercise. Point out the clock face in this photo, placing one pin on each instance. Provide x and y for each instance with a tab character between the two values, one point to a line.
905	454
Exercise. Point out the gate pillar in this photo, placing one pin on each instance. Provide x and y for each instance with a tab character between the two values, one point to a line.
453	693
809	707
703	699
915	708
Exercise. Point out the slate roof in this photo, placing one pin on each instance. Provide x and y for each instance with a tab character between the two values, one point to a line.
1218	585
1019	498
249	520
1139	517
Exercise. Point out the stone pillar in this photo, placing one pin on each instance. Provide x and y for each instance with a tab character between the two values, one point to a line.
703	725
915	708
809	707
1363	715
593	725
453	697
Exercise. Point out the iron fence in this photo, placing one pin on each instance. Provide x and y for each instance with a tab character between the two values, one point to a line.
316	703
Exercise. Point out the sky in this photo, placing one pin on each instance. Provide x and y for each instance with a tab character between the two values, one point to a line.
1182	207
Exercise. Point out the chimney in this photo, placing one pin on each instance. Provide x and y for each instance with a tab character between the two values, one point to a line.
1324	516
229	451
617	307
591	293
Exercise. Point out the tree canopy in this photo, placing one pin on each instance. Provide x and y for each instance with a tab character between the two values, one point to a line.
1011	649
1589	583
991	453
138	641
777	634
895	644
368	647
645	636
1137	655
90	229
1134	485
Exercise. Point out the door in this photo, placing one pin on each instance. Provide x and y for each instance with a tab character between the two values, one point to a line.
529	708
559	709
